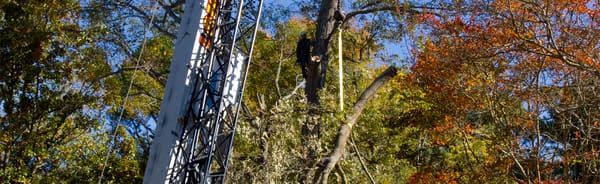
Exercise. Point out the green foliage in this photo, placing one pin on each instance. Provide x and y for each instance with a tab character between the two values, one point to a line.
268	139
82	160
50	86
458	115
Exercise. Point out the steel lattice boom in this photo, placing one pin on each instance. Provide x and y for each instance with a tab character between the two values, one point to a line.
196	125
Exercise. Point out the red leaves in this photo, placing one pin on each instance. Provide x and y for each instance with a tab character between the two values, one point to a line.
428	176
516	31
428	18
506	67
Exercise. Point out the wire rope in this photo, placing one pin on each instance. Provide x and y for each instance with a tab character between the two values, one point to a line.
114	133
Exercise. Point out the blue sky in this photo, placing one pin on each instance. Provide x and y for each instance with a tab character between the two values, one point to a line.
281	2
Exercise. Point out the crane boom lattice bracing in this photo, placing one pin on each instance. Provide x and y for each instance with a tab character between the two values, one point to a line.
196	124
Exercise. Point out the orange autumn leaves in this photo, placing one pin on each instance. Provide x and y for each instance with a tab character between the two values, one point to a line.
500	63
502	45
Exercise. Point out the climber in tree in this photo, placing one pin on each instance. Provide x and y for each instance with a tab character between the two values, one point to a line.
303	53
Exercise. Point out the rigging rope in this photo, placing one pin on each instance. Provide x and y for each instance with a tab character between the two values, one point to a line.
114	133
341	70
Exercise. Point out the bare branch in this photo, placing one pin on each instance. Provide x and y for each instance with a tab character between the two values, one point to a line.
145	16
169	9
362	163
412	10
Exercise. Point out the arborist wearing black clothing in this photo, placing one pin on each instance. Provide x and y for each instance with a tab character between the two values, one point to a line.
303	53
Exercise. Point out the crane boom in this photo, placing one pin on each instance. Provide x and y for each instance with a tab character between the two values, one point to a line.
199	112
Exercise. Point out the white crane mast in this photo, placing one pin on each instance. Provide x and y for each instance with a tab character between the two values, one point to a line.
199	112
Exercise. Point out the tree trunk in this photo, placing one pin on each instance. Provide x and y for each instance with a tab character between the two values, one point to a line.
326	24
310	140
344	132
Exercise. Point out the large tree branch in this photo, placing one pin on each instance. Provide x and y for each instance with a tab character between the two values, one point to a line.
344	131
169	9
398	9
119	71
147	17
152	73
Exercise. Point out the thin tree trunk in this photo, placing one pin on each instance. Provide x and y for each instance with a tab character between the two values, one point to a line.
345	129
280	61
362	163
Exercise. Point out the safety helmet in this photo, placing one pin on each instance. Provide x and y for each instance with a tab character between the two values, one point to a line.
303	33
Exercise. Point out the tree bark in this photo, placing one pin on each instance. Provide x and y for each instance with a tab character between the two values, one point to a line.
310	140
326	24
344	131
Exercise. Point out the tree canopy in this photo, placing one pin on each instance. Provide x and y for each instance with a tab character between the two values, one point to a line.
501	91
